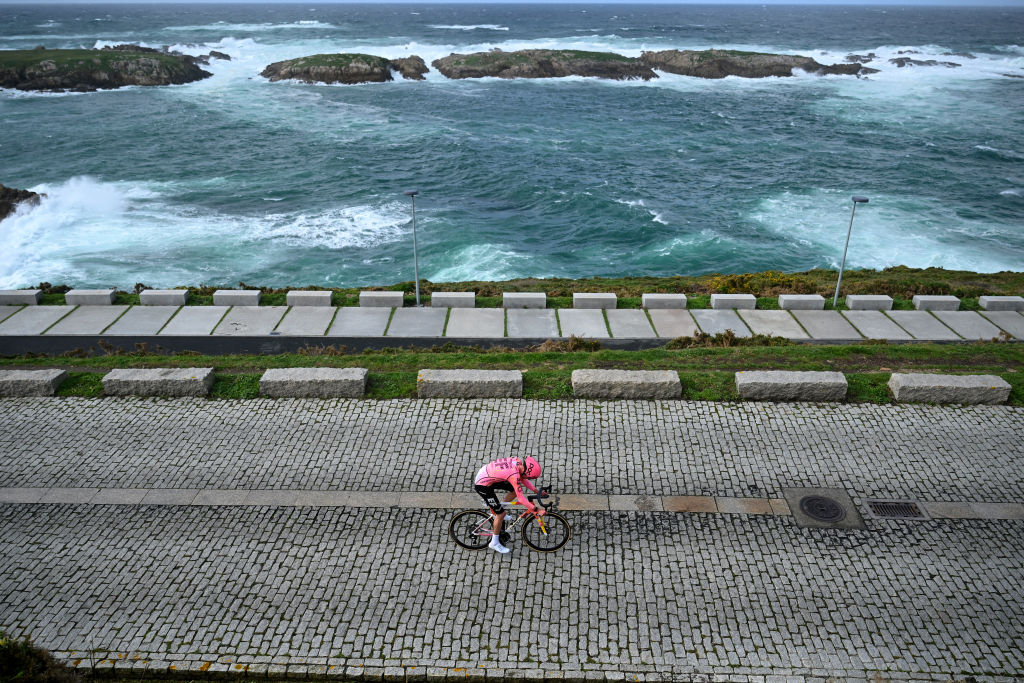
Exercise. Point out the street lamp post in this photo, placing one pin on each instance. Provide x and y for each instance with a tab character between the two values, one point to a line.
856	201
411	194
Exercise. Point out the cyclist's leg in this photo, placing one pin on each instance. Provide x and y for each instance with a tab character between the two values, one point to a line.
491	499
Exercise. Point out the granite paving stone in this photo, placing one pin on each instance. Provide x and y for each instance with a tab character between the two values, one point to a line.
875	325
248	321
194	321
670	324
360	322
33	319
689	504
968	324
169	497
143	320
630	323
826	325
21	495
923	326
1011	321
532	323
88	320
720	321
118	497
476	322
418	322
587	323
307	320
773	323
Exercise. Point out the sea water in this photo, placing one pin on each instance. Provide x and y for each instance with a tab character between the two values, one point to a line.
235	178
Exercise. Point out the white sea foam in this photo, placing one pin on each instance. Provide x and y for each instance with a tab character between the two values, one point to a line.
1015	192
889	231
483	262
470	27
223	26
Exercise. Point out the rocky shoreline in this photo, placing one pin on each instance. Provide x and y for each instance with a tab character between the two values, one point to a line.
89	70
10	198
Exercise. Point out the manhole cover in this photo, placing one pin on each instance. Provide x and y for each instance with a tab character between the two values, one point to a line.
822	509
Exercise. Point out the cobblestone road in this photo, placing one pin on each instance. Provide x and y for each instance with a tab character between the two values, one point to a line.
371	590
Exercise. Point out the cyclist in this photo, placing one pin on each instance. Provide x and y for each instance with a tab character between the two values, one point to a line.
507	474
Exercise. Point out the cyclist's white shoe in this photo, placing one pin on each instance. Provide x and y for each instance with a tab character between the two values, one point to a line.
496	545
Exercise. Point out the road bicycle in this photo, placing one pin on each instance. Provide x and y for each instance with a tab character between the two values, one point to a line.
473	529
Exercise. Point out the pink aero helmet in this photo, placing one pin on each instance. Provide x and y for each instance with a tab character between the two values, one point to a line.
531	468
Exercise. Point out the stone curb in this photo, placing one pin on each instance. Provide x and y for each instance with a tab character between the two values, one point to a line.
628	384
31	382
962	389
786	385
469	384
158	382
314	382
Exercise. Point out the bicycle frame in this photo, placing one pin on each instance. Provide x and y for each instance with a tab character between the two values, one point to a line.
510	523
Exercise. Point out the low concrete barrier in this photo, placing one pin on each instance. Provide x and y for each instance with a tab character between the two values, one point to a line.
163	297
965	389
89	297
869	302
308	299
524	300
1001	303
626	384
786	385
236	297
801	302
314	382
453	300
158	382
31	382
17	297
726	301
381	299
663	301
469	384
934	302
594	300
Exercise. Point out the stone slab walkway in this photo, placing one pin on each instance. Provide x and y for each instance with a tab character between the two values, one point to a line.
308	538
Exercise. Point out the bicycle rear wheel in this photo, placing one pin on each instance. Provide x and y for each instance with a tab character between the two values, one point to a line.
471	529
557	533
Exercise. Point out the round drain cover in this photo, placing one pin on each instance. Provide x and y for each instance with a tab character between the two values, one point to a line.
822	509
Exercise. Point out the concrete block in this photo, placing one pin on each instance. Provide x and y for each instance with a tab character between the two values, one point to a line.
524	300
31	382
163	297
581	322
16	297
417	322
89	297
1011	321
669	323
1001	303
453	300
305	321
381	299
875	325
33	319
314	382
718	322
250	321
968	324
785	385
476	322
724	301
88	320
826	325
360	322
469	384
869	302
158	382
594	300
649	384
929	302
630	323
197	321
308	298
142	320
532	324
6	311
773	324
801	302
923	326
663	301
965	389
236	297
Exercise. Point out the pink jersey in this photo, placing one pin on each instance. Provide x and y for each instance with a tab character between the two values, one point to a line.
505	471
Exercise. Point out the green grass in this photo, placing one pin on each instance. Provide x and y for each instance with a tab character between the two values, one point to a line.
339	60
70	60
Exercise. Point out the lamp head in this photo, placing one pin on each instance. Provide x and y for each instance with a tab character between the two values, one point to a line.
860	200
413	193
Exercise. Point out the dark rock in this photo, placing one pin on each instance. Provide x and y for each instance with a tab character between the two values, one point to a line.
907	61
87	70
869	57
1014	75
722	63
909	52
10	198
332	68
412	68
219	55
543	64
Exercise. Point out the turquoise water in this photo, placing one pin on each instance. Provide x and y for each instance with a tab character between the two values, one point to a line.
237	179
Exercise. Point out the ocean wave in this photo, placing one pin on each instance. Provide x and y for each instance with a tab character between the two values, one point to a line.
1004	154
253	28
493	262
470	27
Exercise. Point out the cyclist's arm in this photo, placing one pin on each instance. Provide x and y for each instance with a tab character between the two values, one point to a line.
529	484
516	482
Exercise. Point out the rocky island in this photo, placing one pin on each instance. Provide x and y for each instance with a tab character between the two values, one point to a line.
543	64
89	70
722	63
348	68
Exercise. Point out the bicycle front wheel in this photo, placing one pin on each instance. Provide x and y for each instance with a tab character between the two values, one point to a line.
471	529
553	536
